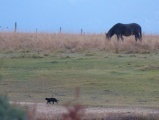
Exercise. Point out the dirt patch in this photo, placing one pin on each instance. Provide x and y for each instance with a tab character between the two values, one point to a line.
43	110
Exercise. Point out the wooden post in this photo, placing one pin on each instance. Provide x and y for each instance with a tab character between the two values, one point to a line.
81	31
36	33
60	29
15	27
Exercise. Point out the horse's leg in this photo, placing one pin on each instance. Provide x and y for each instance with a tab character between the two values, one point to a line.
140	38
118	37
136	37
121	37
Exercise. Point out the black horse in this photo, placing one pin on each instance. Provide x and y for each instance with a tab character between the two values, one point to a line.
125	30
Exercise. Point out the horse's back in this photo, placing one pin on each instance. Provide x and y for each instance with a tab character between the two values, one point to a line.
118	25
127	25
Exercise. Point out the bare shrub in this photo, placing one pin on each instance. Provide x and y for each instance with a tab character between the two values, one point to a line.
75	112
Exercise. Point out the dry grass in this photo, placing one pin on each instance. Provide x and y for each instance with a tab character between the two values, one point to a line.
49	42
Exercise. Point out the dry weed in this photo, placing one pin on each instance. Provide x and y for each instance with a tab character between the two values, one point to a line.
53	43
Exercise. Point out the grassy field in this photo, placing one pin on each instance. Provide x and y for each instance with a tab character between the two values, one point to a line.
108	73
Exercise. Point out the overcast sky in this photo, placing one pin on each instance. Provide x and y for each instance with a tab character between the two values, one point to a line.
93	16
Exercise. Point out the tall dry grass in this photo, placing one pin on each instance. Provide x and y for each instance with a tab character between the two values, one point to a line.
50	43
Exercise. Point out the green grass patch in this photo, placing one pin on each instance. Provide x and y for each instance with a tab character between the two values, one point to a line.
104	79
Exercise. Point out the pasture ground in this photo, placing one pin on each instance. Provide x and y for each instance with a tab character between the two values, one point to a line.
104	79
108	74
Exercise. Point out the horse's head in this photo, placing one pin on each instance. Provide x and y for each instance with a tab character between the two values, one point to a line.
107	36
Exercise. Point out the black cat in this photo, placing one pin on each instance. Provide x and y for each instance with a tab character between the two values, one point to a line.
49	100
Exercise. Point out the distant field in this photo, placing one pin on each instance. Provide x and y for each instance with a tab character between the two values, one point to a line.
108	73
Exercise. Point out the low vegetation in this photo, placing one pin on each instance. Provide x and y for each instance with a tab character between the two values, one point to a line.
10	112
58	43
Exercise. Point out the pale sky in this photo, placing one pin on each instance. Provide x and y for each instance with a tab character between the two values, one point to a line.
93	16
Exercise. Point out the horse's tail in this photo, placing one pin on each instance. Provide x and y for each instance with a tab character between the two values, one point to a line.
140	33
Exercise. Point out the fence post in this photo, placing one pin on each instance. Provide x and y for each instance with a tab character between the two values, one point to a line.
60	29
15	27
81	31
36	33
